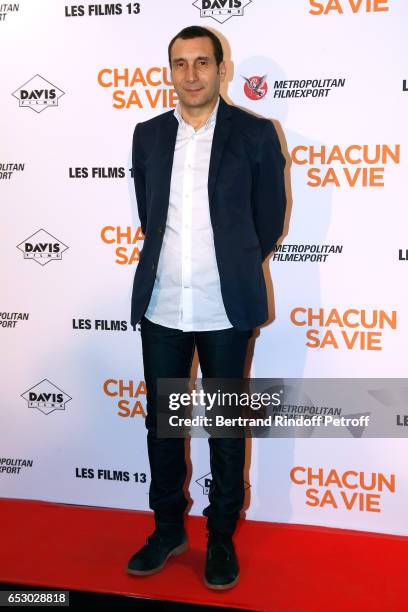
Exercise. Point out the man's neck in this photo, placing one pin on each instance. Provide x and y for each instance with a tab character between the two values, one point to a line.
197	117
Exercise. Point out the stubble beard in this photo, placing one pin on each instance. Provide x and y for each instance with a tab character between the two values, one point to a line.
200	102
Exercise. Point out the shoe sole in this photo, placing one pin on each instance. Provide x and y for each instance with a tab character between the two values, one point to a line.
176	551
221	587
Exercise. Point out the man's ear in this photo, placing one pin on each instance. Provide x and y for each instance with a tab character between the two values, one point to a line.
222	69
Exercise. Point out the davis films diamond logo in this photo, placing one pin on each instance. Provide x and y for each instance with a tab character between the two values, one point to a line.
46	397
205	483
221	10
38	94
42	247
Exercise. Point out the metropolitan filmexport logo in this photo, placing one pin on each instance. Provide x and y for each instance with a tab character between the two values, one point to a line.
255	87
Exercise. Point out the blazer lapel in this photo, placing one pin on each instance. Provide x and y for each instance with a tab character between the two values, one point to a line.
165	155
221	133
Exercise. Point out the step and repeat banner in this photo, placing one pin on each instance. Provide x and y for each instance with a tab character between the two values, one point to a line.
76	79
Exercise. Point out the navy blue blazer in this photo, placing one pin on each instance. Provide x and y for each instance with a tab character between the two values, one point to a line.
247	203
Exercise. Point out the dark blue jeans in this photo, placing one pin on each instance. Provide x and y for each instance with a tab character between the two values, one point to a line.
168	353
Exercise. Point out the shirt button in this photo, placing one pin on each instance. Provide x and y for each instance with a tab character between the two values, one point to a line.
152	266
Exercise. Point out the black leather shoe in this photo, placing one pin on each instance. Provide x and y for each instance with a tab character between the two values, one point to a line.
221	564
152	557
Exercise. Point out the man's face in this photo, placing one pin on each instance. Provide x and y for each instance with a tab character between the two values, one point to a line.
194	71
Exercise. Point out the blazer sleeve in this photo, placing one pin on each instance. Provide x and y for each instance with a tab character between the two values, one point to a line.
269	198
138	168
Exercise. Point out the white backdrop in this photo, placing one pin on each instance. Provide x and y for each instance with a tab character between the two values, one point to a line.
67	194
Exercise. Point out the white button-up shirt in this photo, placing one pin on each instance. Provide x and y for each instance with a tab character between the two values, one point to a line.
187	292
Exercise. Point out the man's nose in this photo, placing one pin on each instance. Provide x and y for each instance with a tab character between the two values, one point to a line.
191	73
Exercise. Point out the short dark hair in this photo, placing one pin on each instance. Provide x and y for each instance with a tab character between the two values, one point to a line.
199	32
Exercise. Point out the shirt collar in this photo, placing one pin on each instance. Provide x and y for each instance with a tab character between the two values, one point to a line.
209	123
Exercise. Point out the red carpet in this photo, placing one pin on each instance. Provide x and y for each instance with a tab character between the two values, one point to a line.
283	567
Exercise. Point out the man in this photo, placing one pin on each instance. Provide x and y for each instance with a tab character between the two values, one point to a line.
209	182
